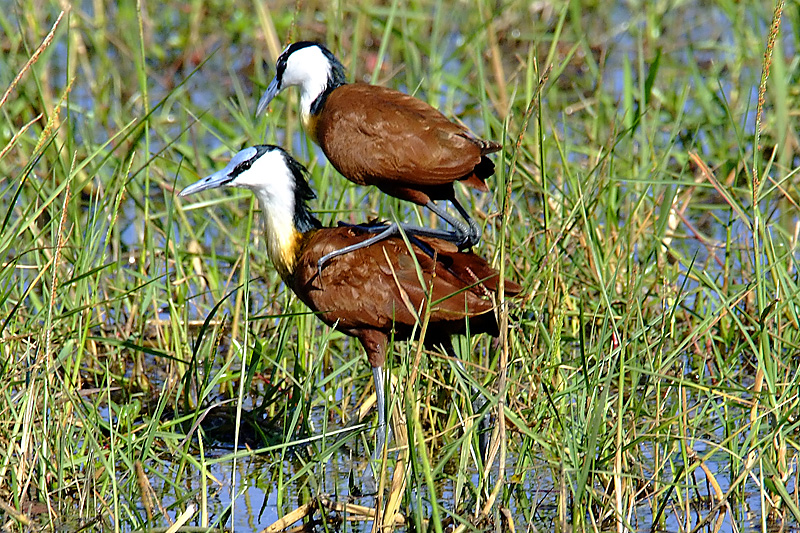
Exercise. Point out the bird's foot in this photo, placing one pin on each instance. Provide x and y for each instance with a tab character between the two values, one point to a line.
466	233
465	238
465	241
472	236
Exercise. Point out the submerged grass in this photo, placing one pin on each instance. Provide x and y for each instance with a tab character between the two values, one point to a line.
153	366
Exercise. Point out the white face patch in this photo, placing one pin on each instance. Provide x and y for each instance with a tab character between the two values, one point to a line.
267	176
304	65
309	69
272	181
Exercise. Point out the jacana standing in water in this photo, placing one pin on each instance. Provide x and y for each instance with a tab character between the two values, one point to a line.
378	136
371	292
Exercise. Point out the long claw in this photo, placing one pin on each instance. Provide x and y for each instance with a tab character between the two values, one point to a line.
468	232
460	238
320	263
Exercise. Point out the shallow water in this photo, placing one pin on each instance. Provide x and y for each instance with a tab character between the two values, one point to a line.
257	506
271	484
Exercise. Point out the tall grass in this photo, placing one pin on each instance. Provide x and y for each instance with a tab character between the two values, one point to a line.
155	371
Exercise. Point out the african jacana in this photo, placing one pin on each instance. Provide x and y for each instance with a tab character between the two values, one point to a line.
378	136
369	293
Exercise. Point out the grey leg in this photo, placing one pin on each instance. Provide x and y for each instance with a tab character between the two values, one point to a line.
469	233
385	233
384	432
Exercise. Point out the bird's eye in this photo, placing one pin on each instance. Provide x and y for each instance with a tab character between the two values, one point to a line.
241	167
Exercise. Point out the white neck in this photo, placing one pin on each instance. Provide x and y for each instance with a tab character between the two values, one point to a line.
309	92
281	234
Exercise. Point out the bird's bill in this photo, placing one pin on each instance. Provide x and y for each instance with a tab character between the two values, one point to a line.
271	92
217	179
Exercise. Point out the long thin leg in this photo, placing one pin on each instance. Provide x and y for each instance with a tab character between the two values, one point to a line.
466	235
384	432
469	234
386	232
475	231
392	228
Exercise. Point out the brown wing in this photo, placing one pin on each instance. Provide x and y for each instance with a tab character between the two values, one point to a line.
378	287
470	269
379	136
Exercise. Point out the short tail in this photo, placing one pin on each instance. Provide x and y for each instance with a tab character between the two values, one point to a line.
485	167
488	147
477	178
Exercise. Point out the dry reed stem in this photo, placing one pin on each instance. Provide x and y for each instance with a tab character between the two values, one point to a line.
723	502
307	509
712	179
389	510
682	429
54	279
498	440
499	436
762	91
391	514
270	33
354	513
53	118
718	494
14	515
16	136
182	519
236	320
33	59
145	490
353	509
500	100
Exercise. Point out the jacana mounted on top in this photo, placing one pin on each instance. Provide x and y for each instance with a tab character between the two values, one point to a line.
373	292
378	136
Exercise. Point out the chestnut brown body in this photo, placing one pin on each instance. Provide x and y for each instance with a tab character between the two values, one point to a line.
378	136
374	291
385	138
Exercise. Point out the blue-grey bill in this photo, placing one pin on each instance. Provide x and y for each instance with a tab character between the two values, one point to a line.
227	174
271	92
213	181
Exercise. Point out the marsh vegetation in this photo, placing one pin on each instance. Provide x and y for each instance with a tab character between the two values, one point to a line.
153	364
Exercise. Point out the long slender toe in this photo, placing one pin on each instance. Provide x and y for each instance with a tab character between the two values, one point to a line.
475	233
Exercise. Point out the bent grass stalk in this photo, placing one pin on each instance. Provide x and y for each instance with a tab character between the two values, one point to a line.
646	378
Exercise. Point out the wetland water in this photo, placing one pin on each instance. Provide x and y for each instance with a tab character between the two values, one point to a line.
323	378
270	484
